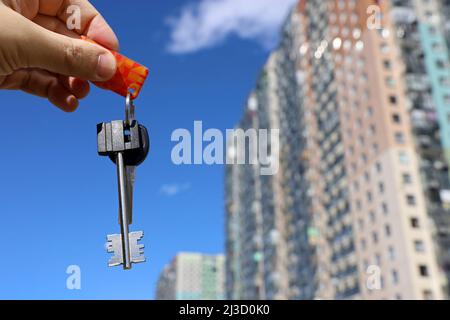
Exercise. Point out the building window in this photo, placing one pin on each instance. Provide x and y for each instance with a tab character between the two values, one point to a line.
437	46
411	200
415	223
361	140
379	168
375	147
393	100
440	64
394	277
404	158
377	260
375	237
447	99
396	118
391	253
358	123
363	244
390	82
358	204
427	295
423	270
407	179
419	246
372	216
363	158
400	137
385	208
387	229
444	81
361	223
432	30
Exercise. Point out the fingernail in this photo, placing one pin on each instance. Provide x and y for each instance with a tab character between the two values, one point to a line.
106	67
73	103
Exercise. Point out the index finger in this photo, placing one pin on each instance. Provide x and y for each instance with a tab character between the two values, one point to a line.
92	24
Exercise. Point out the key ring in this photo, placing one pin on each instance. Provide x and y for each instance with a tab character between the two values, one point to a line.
129	109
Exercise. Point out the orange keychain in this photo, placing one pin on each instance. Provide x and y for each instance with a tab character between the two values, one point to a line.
129	78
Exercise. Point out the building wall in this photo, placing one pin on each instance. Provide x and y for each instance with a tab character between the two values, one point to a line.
423	48
371	142
244	218
363	170
233	229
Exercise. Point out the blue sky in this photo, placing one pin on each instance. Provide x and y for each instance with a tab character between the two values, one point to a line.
59	199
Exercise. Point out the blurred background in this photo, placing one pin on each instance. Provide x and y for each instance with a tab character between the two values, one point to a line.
359	209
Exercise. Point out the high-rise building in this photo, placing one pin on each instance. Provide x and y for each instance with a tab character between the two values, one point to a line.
259	201
360	90
192	276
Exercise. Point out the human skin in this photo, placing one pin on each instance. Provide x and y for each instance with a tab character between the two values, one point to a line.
41	56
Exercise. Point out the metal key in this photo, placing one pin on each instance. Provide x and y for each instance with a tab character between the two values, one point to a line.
126	143
114	245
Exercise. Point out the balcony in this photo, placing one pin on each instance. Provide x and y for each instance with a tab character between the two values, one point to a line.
424	122
403	15
417	82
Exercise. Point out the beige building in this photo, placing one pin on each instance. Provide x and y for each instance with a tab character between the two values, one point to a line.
391	227
360	90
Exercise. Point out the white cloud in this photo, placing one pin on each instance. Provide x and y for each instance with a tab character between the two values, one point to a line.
207	23
171	190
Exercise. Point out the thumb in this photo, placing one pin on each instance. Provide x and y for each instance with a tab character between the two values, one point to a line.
67	56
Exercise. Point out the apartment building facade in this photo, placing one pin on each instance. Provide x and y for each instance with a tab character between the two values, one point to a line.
257	260
359	92
193	276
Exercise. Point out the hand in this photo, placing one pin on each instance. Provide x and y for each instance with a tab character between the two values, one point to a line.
41	56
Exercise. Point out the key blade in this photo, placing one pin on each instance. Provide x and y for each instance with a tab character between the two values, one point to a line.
131	178
125	210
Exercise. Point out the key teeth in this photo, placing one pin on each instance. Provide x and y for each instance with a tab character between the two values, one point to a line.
138	235
109	247
114	246
114	262
137	250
